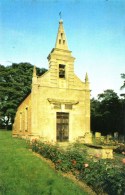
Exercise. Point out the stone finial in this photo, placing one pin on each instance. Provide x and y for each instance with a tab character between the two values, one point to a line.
86	78
34	71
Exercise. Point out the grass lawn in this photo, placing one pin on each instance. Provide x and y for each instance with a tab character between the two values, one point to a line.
22	173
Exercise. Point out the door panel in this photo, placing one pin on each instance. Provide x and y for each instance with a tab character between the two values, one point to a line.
62	126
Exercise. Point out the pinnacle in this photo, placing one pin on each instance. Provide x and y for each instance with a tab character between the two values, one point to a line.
86	78
34	71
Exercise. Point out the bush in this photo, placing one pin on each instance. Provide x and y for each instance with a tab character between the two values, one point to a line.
120	149
101	175
105	176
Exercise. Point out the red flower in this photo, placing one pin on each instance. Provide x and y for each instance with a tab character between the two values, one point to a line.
59	161
86	165
33	140
73	162
123	160
97	155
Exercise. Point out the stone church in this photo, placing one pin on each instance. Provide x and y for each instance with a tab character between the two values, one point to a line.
58	107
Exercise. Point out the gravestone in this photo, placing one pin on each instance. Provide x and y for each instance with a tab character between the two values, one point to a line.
116	135
88	138
109	138
98	137
121	138
102	139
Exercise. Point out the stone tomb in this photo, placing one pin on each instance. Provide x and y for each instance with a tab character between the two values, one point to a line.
100	151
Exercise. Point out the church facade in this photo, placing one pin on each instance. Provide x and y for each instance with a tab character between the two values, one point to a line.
58	107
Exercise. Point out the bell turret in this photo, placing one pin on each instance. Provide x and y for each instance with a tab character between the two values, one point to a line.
61	42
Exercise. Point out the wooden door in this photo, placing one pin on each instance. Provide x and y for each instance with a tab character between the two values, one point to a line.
62	126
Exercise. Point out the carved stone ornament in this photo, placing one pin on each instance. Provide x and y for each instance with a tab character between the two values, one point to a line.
62	101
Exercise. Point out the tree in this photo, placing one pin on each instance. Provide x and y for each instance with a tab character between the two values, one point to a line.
105	117
123	77
96	116
15	85
123	105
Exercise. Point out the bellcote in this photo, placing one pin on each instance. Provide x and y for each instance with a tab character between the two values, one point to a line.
61	42
61	50
61	61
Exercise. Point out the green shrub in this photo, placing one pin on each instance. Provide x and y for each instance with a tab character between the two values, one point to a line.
120	149
102	175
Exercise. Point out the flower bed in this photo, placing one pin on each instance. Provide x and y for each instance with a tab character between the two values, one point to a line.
103	175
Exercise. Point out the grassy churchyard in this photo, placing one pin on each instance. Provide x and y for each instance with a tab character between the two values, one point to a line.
22	173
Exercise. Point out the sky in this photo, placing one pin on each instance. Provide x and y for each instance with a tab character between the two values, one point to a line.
95	31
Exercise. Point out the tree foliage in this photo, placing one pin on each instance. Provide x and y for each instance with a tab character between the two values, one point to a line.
15	84
107	113
123	77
